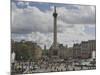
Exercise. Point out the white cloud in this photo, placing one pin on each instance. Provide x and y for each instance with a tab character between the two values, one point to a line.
33	24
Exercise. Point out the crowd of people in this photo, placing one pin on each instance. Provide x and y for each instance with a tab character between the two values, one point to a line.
46	66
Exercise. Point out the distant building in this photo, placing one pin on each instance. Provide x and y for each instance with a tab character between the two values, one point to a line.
92	47
62	52
69	53
85	49
37	52
76	51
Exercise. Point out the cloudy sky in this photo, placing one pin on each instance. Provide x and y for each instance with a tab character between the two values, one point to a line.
33	21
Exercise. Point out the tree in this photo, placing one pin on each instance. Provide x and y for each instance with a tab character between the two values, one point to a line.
25	50
22	50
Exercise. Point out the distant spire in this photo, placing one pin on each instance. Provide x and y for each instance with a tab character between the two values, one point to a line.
55	9
44	47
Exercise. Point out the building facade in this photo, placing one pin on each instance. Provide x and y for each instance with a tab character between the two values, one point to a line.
85	49
76	51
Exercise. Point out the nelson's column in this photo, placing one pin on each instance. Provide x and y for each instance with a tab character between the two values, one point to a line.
54	48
